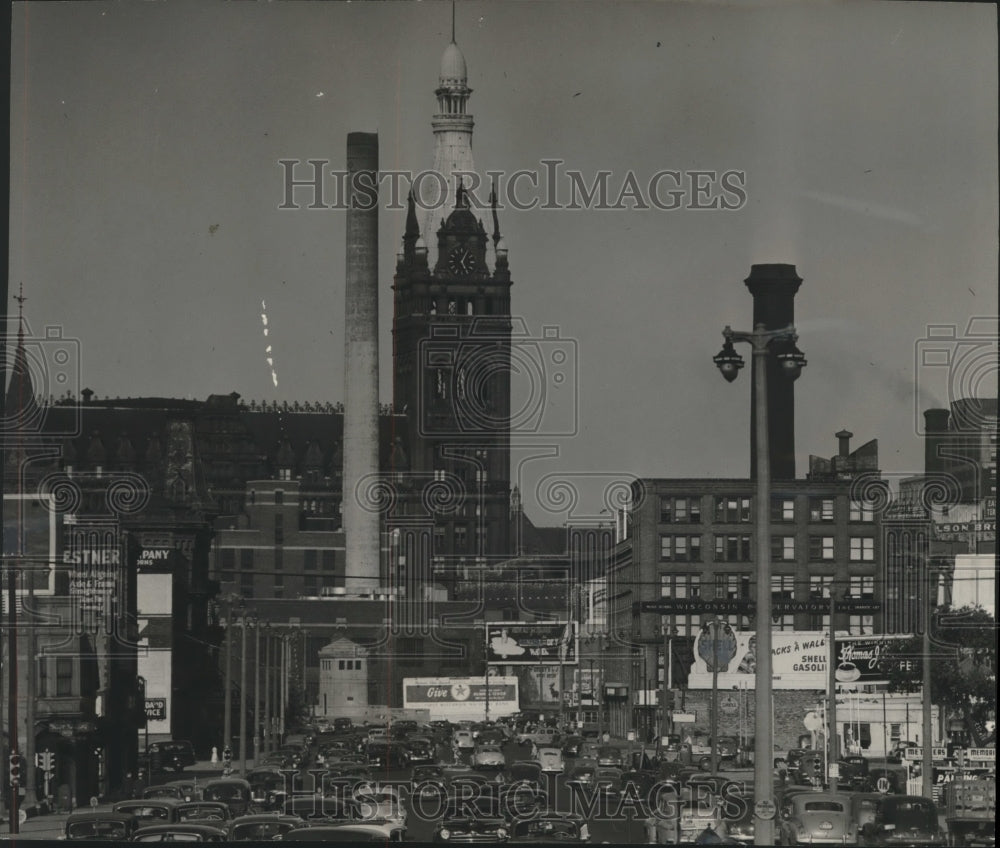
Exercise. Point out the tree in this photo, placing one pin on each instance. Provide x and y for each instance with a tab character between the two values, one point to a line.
963	666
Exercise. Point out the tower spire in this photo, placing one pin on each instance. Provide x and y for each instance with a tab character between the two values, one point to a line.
21	403
452	21
493	209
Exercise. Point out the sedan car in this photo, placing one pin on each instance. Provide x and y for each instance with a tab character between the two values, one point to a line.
550	759
180	832
526	771
551	827
608	781
385	805
571	746
261	827
608	755
488	757
234	792
469	830
817	818
103	825
904	820
463	740
419	749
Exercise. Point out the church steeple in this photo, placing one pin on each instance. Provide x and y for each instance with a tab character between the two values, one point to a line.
21	403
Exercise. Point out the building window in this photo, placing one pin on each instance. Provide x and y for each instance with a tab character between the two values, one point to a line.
821	509
733	549
279	559
783	548
819	586
820	548
246	559
279	497
862	549
279	529
782	587
64	676
309	560
861	625
43	678
439	539
675	510
682	586
310	584
732	510
246	585
340	667
863	587
680	548
732	587
783	509
461	538
227	558
860	511
329	559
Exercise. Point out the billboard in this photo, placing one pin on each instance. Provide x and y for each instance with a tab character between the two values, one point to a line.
799	659
461	697
860	660
532	643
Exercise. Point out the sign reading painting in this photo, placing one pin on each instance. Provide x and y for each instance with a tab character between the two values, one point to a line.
458	696
93	554
156	709
531	643
799	659
863	660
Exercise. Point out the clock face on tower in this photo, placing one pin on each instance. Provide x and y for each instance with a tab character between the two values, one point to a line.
461	261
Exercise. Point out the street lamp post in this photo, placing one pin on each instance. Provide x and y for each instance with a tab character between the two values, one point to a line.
268	724
258	730
729	362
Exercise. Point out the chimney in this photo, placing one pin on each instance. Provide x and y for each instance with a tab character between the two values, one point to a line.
773	288
935	433
362	523
844	438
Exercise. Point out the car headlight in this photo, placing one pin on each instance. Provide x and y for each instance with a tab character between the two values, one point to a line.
444	833
501	832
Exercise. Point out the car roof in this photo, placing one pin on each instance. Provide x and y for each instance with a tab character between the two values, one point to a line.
149	802
190	827
90	815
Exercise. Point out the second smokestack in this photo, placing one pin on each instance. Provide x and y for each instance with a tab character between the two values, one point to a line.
362	523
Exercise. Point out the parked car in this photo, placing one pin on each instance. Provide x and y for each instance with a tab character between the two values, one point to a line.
817	818
582	776
904	820
419	749
738	813
384	804
150	810
172	755
542	737
164	791
234	792
608	780
677	820
320	808
385	753
488	757
471	830
259	827
525	771
352	833
463	739
854	774
427	781
341	723
571	745
551	827
180	832
608	755
550	760
864	806
103	825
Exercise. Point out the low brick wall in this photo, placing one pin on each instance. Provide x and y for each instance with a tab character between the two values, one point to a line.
790	708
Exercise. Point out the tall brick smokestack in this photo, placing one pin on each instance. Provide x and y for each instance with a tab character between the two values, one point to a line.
935	436
361	525
773	288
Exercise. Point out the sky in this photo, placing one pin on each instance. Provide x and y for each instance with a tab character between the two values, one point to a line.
145	194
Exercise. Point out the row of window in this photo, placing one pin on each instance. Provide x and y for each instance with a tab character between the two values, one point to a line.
311	558
737	586
342	665
733	548
736	509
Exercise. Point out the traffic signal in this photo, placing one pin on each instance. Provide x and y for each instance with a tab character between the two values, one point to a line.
818	766
48	761
227	754
15	769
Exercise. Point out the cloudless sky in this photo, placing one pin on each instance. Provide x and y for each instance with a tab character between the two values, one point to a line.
146	185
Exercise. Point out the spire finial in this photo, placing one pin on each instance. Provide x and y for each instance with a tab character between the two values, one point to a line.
20	298
452	21
493	207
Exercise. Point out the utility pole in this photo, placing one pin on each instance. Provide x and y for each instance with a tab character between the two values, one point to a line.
227	719
243	693
833	737
268	687
927	765
258	730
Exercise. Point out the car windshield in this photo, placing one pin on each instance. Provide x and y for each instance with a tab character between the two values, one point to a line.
223	793
98	830
823	807
260	830
173	836
907	814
